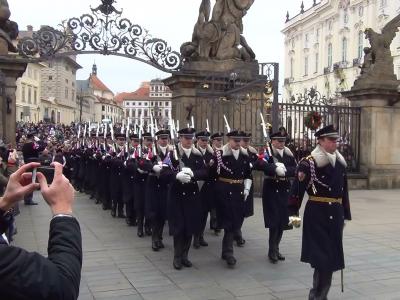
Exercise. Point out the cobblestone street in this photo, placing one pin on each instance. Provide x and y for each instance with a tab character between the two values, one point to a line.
119	265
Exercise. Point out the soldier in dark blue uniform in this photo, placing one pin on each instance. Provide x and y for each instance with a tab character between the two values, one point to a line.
232	168
184	201
206	187
144	166
116	176
217	142
249	205
279	170
157	190
129	180
323	176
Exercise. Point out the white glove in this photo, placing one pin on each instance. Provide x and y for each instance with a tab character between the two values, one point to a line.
246	194
141	171
183	177
188	171
157	169
280	171
278	164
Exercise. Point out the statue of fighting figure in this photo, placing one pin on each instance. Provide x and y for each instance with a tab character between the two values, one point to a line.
219	34
378	60
8	29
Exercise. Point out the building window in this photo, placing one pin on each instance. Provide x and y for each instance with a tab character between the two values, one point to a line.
102	117
66	93
330	55
291	67
360	44
145	113
29	94
140	103
50	77
103	108
35	94
23	93
316	62
66	81
306	66
346	17
344	49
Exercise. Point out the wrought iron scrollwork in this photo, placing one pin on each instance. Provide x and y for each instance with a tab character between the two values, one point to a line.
44	43
311	97
106	32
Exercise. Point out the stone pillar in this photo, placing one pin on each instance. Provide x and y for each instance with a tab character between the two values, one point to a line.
10	70
379	135
187	101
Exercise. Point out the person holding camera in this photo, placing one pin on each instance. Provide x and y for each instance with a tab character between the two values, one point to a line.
26	275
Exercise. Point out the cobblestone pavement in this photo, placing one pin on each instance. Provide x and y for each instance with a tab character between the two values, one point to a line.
119	265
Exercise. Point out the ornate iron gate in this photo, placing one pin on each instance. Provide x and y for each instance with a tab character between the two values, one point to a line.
295	117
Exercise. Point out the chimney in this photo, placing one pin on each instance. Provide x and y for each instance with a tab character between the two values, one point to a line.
29	28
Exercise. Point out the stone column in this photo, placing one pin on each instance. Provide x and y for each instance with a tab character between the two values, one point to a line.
379	135
190	99
10	70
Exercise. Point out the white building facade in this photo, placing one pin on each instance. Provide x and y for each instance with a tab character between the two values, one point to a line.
28	103
324	44
151	99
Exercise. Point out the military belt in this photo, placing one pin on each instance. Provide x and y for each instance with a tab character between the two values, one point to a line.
276	178
325	199
231	181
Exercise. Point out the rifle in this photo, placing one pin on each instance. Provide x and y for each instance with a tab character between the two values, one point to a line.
266	136
228	128
208	126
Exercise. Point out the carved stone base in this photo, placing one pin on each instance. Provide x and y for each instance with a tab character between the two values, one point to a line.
248	70
379	137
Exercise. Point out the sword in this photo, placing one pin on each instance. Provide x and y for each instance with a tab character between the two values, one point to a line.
228	128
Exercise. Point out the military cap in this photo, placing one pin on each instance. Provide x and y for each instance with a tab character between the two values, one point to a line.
203	135
278	136
327	131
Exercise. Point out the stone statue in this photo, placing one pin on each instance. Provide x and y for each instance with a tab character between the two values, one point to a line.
219	38
8	29
377	68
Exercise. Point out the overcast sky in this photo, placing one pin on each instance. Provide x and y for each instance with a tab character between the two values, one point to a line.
171	20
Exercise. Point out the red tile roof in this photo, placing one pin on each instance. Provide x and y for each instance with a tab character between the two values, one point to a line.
140	94
97	84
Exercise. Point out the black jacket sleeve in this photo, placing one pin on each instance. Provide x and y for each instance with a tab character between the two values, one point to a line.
26	275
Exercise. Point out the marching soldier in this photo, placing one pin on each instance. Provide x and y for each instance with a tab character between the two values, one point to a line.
323	176
278	170
106	167
129	181
232	168
207	187
184	202
116	176
157	190
144	166
249	205
217	142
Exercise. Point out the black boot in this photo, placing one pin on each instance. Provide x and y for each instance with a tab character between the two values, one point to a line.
272	242
227	249
140	232
113	211
202	242
178	251
121	211
187	241
155	245
196	242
